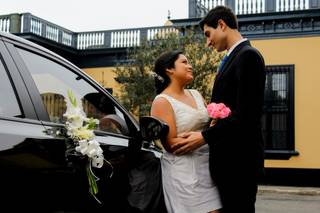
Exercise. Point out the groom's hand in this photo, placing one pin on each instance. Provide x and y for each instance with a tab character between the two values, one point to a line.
190	142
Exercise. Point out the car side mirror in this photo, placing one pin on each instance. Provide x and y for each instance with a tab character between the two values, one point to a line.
152	128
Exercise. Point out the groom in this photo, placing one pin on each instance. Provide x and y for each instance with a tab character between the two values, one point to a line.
236	145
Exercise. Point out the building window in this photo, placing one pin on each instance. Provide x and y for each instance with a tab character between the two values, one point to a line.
278	116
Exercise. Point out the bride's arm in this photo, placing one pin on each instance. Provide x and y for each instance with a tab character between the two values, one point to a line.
162	110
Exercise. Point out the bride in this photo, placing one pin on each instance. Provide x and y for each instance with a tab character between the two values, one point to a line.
187	185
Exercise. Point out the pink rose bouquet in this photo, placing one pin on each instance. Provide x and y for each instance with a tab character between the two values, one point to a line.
217	111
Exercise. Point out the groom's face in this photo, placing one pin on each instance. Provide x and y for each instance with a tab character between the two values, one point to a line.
215	37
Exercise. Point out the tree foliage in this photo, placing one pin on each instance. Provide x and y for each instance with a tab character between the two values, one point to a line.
137	81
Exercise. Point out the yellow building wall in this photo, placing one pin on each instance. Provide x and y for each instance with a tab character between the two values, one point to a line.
304	53
105	77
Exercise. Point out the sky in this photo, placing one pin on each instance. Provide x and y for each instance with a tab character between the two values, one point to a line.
80	15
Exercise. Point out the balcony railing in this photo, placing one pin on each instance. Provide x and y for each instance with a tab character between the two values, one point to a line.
5	24
198	8
28	23
121	38
40	27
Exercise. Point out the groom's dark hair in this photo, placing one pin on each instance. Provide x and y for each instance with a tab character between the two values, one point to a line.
217	13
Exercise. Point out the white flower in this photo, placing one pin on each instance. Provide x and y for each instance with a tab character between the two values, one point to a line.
82	133
97	161
75	117
93	150
82	147
80	130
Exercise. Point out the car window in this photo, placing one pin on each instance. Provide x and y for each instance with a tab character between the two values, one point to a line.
9	105
53	82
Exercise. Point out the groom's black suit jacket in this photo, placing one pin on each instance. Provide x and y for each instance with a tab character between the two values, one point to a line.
236	144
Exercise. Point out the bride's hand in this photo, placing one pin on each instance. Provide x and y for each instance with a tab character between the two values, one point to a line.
190	142
183	135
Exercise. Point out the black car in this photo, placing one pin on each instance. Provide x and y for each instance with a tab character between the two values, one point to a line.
36	171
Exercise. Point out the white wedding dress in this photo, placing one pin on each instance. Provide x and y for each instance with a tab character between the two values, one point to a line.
187	185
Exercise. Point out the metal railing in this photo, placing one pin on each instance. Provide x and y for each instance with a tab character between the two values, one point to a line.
5	24
287	5
35	25
28	23
249	6
122	38
198	8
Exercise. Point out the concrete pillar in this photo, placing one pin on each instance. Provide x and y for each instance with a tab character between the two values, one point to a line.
231	4
313	4
15	23
192	8
271	6
26	22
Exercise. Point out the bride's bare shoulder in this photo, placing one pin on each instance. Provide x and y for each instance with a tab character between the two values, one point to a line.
160	103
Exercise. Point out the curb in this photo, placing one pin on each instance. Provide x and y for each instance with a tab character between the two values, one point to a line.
289	190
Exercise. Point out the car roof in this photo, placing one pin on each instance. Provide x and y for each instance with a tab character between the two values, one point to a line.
13	37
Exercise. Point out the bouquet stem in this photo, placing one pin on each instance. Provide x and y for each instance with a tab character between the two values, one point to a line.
92	179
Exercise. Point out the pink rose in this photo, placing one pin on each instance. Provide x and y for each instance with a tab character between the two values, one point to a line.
218	111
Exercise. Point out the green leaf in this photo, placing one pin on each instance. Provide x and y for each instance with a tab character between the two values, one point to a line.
91	123
72	99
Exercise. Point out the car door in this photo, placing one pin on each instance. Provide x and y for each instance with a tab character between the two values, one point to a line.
24	152
48	79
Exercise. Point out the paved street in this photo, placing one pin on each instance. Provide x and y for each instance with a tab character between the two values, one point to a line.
289	201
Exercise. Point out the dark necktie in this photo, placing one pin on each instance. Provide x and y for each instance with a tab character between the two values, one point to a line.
223	61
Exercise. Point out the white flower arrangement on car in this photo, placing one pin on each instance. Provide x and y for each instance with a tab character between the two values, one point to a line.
80	130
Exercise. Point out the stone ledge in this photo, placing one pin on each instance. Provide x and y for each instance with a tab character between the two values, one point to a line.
289	190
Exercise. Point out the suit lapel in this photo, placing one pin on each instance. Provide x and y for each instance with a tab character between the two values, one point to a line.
231	58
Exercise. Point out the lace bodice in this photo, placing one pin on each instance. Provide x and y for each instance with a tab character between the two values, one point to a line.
188	118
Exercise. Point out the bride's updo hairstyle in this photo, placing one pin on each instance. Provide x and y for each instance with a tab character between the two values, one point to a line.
164	61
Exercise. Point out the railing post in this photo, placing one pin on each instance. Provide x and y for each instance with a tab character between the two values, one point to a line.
107	39
143	35
15	23
60	36
26	23
74	40
231	4
192	8
313	4
270	5
44	29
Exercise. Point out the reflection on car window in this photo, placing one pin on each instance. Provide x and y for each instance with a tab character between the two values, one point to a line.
8	102
53	82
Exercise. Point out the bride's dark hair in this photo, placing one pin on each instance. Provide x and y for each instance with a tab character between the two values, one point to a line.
164	61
